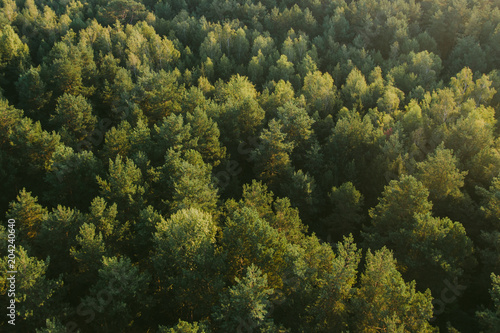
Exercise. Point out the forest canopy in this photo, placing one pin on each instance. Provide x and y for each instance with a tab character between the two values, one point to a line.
251	166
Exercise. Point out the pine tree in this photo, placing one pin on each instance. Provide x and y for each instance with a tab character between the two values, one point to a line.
186	261
344	212
490	318
245	305
272	157
124	186
439	174
35	294
29	213
384	300
73	118
119	295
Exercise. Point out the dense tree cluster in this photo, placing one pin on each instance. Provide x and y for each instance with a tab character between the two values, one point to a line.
251	166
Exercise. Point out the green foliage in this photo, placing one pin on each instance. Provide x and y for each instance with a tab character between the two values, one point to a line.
53	326
402	221
121	10
490	319
69	171
320	93
159	94
123	185
186	260
344	215
14	55
31	214
351	150
384	300
128	129
296	123
91	248
70	68
186	182
272	157
57	235
400	201
184	327
278	212
440	175
119	295
35	294
73	116
335	289
248	239
246	304
33	92
491	201
243	116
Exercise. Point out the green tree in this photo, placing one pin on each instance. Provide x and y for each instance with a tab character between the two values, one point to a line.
490	203
301	189
119	295
126	11
248	239
471	133
490	318
53	325
174	134
159	94
246	304
320	92
467	53
71	177
88	253
439	173
355	91
277	211
105	217
344	212
402	221
29	145
73	118
283	70
14	57
351	153
36	295
244	115
186	261
126	139
123	185
384	300
296	122
297	125
186	182
400	201
70	69
272	157
33	92
205	131
335	289
29	213
57	235
185	327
